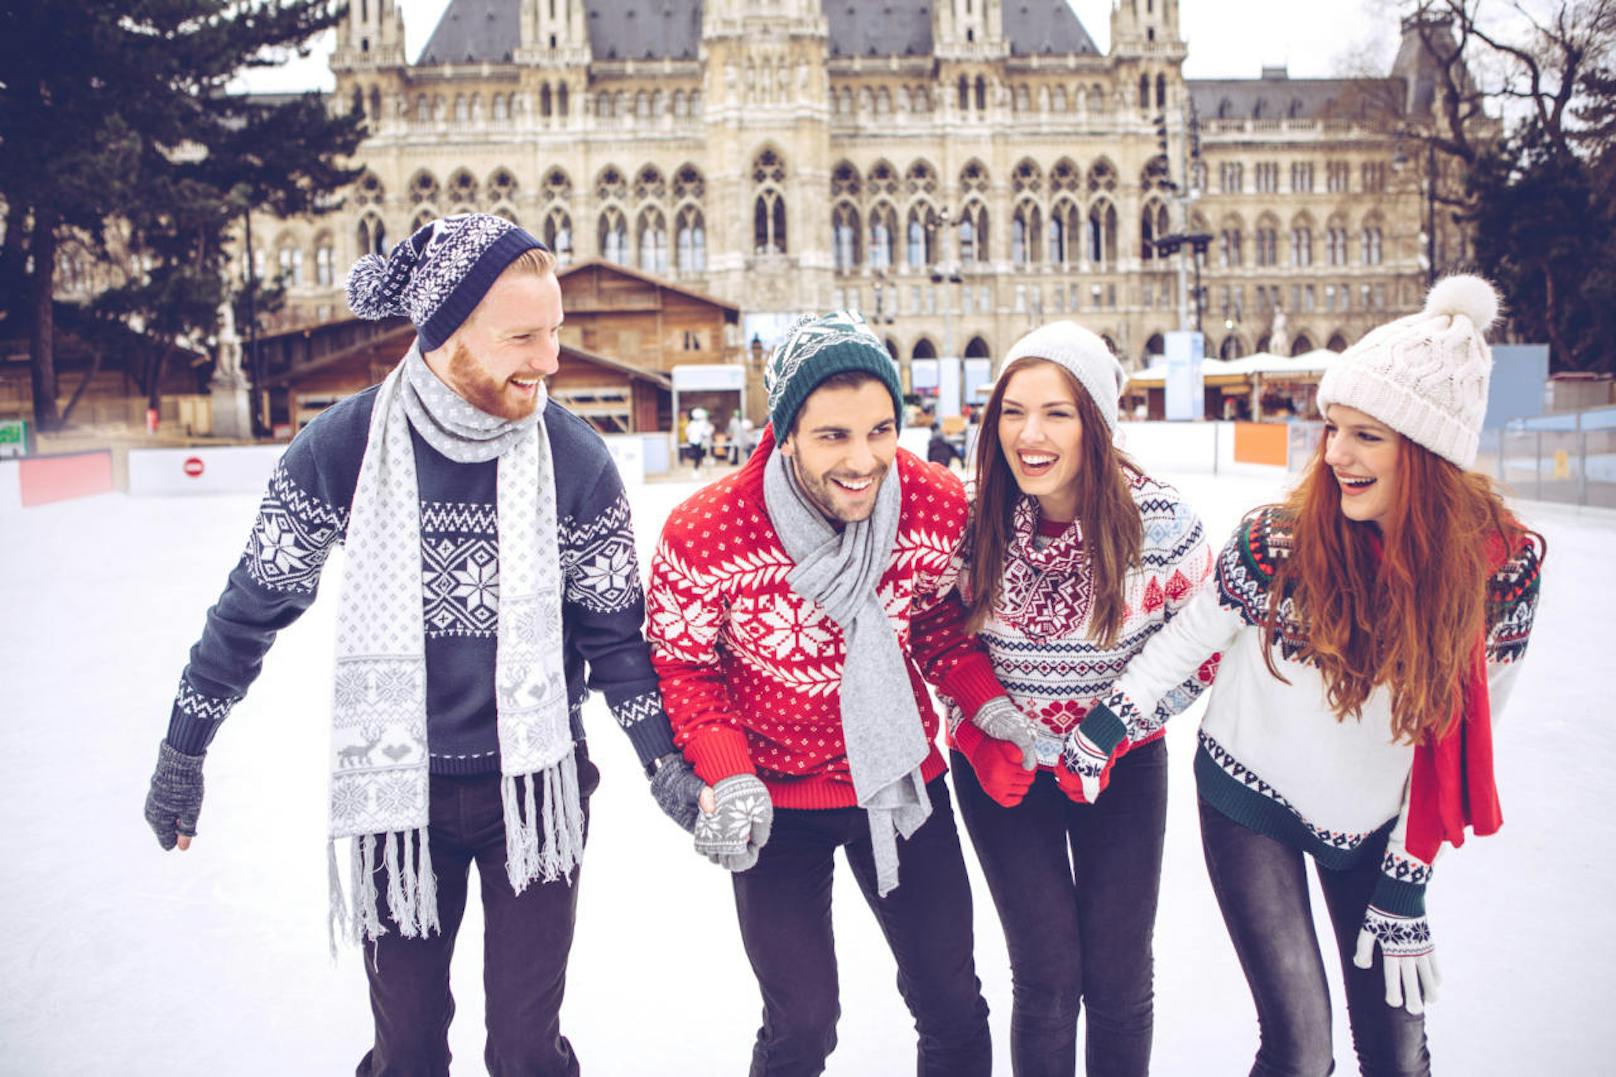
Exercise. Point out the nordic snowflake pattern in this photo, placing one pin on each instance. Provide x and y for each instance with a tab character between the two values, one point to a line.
808	337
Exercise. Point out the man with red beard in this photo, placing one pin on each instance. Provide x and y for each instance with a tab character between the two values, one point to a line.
797	611
490	582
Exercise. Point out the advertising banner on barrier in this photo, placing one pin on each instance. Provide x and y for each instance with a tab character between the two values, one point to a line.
1185	398
13	438
234	469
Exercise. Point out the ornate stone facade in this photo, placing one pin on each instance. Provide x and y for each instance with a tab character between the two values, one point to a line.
957	169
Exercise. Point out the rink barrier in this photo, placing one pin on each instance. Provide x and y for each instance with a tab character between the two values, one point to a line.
45	479
10	490
1261	443
235	469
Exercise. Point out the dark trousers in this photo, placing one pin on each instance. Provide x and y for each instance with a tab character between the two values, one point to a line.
1261	886
784	906
1076	888
526	939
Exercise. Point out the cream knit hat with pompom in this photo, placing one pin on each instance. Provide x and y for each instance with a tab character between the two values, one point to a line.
1425	375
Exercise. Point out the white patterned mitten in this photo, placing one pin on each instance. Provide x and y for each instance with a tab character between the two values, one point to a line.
1002	720
738	827
1409	956
676	789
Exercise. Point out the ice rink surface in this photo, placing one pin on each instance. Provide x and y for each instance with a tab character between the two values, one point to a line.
121	959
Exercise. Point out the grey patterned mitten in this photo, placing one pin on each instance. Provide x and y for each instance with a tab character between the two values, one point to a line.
676	789
175	797
732	835
1002	720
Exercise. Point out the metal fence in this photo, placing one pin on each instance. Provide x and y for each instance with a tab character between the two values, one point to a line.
1568	457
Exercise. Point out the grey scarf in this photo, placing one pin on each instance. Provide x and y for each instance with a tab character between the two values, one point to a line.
380	765
840	571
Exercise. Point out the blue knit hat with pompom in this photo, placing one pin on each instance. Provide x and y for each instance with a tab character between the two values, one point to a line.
437	276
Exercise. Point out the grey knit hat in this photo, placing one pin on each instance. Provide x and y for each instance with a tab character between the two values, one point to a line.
1082	354
1426	375
814	349
437	276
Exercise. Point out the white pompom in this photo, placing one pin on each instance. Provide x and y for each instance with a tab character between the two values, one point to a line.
1464	294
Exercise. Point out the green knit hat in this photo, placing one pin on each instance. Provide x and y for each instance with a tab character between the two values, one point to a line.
813	350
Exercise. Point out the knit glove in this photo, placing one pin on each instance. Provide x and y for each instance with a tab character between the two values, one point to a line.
1089	754
998	764
1002	720
1409	956
676	789
175	797
732	835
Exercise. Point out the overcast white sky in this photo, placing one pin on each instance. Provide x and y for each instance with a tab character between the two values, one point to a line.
1227	38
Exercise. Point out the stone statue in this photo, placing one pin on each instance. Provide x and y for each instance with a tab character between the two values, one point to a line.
227	360
1279	341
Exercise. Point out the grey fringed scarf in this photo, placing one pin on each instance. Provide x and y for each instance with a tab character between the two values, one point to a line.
379	776
840	571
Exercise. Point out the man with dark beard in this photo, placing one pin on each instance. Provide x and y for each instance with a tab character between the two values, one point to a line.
797	610
490	563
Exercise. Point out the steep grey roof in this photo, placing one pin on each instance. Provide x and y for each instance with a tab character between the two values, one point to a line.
477	31
1038	27
644	29
474	31
879	27
1288	98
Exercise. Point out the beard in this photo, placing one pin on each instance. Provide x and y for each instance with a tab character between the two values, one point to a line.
470	378
834	502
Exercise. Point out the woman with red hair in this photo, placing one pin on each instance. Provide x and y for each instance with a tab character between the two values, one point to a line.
1370	626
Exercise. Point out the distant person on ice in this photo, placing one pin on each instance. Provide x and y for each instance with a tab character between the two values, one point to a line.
1370	627
797	610
490	563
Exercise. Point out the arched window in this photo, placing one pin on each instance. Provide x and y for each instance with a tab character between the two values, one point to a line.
1370	244
1301	243
977	349
769	204
1338	343
973	234
372	235
290	259
845	237
1161	91
1102	233
324	261
545	100
923	349
1267	242
921	237
981	94
561	99
424	188
463	189
651	236
883	236
692	240
1301	345
1153	224
613	235
1026	235
1064	224
558	233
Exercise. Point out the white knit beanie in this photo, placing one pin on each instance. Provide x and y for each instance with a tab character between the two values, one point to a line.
1425	375
1082	354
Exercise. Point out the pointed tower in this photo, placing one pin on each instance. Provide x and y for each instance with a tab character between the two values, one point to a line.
371	37
555	33
1149	55
968	29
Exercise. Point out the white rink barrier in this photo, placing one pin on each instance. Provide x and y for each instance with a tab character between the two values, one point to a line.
10	486
628	453
237	469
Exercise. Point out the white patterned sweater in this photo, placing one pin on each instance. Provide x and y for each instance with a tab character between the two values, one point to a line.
1037	634
304	514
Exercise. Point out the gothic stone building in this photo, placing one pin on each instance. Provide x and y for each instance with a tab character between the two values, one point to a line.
956	169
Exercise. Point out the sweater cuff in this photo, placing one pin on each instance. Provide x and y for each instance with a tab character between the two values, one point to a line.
1103	728
719	752
967	738
971	683
1401	887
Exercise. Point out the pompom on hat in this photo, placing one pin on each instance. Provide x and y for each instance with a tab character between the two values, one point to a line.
437	276
1425	375
1082	354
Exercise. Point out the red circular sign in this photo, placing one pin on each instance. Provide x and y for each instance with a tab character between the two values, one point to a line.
194	466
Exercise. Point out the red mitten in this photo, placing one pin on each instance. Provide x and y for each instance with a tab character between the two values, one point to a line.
1072	784
997	763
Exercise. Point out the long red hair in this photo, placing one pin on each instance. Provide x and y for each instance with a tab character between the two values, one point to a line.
1113	534
1409	617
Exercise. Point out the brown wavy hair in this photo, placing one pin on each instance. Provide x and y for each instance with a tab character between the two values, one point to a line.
1113	534
1409	619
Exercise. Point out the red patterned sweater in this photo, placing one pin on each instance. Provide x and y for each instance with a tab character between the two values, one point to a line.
751	671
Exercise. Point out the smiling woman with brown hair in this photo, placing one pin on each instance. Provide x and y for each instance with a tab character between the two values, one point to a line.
1076	558
1370	626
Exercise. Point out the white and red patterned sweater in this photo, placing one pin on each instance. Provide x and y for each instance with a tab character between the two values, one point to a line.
1037	634
751	671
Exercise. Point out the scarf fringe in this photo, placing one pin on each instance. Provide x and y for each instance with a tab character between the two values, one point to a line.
412	888
542	842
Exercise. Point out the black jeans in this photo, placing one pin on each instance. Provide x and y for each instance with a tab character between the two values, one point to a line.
1076	888
526	939
1261	886
784	907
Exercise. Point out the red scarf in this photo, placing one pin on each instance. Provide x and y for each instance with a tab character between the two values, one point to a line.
1451	786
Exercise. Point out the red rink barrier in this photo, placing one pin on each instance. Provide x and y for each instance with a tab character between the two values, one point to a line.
43	479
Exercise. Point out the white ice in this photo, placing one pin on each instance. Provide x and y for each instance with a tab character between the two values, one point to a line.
122	959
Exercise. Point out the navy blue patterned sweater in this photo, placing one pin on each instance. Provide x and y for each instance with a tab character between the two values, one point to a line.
305	513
